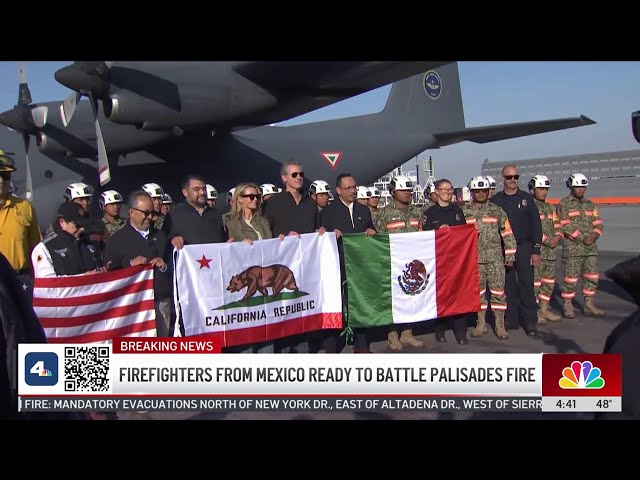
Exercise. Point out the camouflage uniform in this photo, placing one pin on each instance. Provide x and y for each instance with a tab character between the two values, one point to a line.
391	219
159	222
225	219
579	219
494	228
112	227
544	274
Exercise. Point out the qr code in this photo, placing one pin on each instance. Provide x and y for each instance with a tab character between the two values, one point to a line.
86	369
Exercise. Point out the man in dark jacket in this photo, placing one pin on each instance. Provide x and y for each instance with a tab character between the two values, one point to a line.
445	214
346	216
139	243
624	339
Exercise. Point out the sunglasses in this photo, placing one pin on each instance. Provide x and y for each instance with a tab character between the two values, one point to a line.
295	174
147	213
511	177
251	196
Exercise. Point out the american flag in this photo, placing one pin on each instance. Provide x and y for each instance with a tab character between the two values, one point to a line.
96	308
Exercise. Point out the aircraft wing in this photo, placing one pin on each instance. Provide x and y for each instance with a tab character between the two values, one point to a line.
302	87
493	133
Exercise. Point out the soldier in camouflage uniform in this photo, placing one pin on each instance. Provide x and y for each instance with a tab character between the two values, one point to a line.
582	227
494	228
156	193
227	216
110	202
545	273
399	217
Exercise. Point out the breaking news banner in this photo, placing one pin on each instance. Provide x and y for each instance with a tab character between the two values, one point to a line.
181	374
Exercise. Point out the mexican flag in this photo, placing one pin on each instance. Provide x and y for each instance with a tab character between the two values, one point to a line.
411	277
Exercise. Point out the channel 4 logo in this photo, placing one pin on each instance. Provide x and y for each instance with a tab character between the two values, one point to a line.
41	369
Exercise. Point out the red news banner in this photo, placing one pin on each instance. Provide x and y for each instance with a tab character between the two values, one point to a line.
167	345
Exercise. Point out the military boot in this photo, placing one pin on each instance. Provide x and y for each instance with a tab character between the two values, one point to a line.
567	311
541	319
591	309
501	333
394	342
481	325
547	312
407	338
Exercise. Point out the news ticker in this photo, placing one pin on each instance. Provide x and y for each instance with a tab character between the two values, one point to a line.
182	374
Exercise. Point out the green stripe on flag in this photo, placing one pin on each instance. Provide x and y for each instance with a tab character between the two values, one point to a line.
368	269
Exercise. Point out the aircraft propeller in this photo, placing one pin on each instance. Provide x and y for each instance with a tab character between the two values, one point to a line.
25	119
90	79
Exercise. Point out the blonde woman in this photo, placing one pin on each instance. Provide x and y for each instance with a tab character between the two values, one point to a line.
248	225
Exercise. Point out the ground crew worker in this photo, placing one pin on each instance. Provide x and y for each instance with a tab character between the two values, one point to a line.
167	203
582	227
492	186
227	216
319	193
110	203
374	200
363	195
442	215
156	193
212	195
527	229
493	228
399	217
19	232
544	274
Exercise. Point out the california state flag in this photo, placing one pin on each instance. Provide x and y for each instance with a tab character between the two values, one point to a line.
411	277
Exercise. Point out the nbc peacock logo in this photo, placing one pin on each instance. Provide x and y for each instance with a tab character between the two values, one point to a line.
581	375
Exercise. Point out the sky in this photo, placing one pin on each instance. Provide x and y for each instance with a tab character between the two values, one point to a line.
492	92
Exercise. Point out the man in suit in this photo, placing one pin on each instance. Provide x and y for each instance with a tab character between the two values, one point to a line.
346	216
139	243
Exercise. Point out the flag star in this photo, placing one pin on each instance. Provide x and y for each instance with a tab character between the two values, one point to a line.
204	262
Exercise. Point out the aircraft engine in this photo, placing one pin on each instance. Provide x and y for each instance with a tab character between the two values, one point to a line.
49	146
126	108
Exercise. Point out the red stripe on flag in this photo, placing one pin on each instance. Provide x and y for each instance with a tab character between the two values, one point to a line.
90	279
92	299
457	281
106	335
251	335
61	322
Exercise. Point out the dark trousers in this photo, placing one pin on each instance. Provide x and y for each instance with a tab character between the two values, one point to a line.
518	286
26	282
459	326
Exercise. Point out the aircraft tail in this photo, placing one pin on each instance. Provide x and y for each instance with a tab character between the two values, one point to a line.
429	102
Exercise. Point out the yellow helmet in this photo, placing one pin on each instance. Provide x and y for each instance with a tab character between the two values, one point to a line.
6	163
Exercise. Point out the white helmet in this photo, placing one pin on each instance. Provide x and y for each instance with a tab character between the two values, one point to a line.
375	193
110	196
479	183
212	193
577	180
492	182
78	190
153	189
363	192
330	197
230	195
269	189
431	188
539	181
400	183
319	186
166	198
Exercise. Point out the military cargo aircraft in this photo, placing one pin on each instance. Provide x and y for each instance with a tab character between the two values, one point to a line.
156	121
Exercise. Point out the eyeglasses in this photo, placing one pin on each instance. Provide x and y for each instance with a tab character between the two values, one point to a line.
251	196
146	213
511	177
295	174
